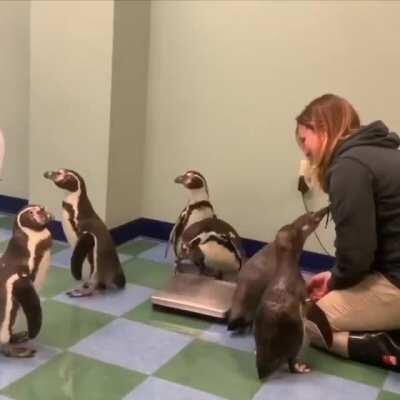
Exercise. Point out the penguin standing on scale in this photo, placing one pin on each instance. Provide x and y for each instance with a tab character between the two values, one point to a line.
23	270
199	236
88	235
198	208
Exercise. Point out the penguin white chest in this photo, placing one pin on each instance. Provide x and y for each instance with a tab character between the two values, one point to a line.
69	230
5	324
199	215
70	217
219	257
42	270
34	240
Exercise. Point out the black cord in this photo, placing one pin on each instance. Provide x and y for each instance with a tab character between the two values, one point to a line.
315	232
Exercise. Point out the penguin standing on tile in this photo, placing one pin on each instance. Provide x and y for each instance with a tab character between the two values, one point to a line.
281	315
214	246
253	278
256	274
198	208
23	269
88	235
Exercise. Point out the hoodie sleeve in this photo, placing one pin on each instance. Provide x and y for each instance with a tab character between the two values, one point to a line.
353	210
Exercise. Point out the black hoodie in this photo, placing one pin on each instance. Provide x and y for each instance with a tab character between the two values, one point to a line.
363	182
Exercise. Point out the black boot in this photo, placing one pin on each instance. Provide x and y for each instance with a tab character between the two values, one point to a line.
377	348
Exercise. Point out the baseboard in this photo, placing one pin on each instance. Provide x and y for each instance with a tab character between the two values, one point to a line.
309	261
11	204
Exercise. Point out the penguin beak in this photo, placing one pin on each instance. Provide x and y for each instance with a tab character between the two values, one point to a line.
321	213
49	175
180	179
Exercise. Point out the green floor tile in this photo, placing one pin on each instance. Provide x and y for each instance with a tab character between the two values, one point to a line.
64	325
220	370
179	323
58	246
327	363
3	246
7	222
147	273
70	376
58	280
388	396
136	247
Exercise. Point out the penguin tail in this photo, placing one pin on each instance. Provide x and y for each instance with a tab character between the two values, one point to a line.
237	324
265	369
119	279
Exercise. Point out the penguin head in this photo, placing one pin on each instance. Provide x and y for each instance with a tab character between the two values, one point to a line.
192	180
66	179
293	236
308	223
33	217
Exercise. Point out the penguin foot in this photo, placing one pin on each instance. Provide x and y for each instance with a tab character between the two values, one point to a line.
178	267
18	352
20	337
81	292
298	367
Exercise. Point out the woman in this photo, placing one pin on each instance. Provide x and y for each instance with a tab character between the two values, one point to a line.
359	167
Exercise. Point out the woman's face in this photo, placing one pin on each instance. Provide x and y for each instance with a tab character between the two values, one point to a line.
309	141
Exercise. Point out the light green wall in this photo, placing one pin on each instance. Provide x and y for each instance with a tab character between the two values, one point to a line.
14	95
224	83
71	54
227	79
128	110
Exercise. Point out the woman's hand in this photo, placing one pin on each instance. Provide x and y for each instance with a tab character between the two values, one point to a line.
318	285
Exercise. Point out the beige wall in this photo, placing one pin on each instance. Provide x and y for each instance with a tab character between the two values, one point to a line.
14	95
71	55
226	80
128	110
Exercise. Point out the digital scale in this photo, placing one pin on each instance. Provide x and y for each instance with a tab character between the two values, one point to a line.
196	294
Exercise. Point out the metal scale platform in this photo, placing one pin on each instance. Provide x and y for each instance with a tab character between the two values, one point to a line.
196	294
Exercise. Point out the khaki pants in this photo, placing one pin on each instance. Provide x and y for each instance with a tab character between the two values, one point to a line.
371	305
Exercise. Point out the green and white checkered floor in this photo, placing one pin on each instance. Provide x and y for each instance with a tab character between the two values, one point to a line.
115	346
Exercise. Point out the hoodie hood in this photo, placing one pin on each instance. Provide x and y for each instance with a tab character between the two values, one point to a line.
375	134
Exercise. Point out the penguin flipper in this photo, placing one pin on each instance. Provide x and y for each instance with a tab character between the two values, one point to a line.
82	248
316	315
176	231
26	296
236	245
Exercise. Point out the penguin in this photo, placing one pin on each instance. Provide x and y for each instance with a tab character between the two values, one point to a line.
253	278
23	269
88	235
281	314
213	246
197	208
